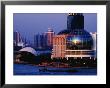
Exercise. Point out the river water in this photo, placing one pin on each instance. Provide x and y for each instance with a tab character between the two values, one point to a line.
21	69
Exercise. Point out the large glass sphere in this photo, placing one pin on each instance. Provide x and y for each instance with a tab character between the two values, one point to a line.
78	39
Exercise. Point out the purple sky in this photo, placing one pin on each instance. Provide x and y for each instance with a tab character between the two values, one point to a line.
29	24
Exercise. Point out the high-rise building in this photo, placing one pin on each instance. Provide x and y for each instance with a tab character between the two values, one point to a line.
59	46
75	21
94	36
17	39
49	35
37	41
44	40
40	41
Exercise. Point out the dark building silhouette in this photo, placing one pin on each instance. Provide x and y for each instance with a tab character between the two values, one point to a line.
75	21
40	41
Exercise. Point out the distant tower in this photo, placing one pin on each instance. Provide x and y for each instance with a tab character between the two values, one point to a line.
75	21
94	35
17	38
43	40
37	41
40	41
49	35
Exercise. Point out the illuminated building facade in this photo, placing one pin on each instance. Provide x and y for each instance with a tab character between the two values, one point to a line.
49	35
79	43
59	46
94	36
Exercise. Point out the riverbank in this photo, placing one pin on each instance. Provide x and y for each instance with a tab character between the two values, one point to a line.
54	65
26	69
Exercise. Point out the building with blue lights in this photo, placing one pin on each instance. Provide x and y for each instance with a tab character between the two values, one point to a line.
77	42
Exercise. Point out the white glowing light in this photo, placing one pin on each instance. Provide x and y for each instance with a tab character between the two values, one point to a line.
76	40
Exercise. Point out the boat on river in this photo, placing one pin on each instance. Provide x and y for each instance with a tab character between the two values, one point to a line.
57	70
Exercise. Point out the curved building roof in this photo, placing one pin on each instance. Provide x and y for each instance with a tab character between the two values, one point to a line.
65	31
78	39
74	31
29	49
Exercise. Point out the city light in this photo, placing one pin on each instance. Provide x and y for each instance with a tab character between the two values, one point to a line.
76	40
59	54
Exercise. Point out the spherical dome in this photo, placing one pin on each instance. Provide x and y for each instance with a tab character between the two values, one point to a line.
29	49
78	39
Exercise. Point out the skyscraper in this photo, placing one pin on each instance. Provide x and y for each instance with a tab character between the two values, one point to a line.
17	38
75	21
94	36
40	41
49	35
59	46
37	40
43	40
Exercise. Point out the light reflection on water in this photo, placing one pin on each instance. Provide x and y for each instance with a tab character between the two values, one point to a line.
20	69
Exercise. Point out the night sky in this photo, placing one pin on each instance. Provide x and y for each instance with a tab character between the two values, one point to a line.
29	24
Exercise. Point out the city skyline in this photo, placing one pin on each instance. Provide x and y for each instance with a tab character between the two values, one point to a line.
70	48
30	24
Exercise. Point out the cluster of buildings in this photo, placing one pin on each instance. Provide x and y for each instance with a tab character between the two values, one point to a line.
41	41
45	40
19	42
73	42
